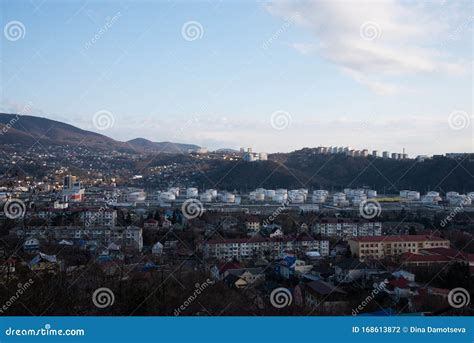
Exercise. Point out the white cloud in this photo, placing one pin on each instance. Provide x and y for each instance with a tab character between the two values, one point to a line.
372	41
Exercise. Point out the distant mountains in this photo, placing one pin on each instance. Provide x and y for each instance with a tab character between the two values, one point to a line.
142	144
24	130
302	168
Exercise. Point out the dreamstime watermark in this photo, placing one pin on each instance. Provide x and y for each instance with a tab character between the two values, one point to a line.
46	331
463	27
103	209
103	120
381	287
451	215
9	125
278	211
199	288
459	297
14	209
370	31
192	30
286	25
192	208
369	209
189	123
281	120
103	297
459	120
14	30
281	297
19	292
16	118
109	22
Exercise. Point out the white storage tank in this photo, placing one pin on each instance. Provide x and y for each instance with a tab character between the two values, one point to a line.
338	198
433	194
192	192
228	198
460	200
348	192
371	193
259	196
212	192
168	196
430	199
358	193
298	198
292	194
174	190
206	197
404	193
452	195
136	196
269	194
3	196
303	190
413	195
319	198
279	198
358	199
252	196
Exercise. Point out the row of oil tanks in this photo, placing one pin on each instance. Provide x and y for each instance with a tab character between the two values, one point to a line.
297	196
300	196
433	197
355	196
208	195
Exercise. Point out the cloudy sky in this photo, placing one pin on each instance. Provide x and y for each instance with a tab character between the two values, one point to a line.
276	76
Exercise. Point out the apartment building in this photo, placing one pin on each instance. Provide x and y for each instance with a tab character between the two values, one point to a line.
376	247
241	248
253	227
87	216
346	228
98	217
130	236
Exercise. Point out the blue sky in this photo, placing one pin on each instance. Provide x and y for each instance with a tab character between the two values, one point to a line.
376	75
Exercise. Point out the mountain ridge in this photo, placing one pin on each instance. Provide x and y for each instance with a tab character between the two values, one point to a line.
28	130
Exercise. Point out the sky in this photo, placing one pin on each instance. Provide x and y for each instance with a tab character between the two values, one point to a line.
274	76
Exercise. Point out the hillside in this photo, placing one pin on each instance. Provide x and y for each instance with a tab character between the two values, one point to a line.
26	130
142	145
302	170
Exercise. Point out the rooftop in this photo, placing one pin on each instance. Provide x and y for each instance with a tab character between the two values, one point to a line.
405	238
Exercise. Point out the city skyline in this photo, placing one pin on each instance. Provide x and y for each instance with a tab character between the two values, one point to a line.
288	161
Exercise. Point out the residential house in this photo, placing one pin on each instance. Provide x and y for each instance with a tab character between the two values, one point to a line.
151	224
244	277
320	292
43	262
350	270
31	245
157	249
